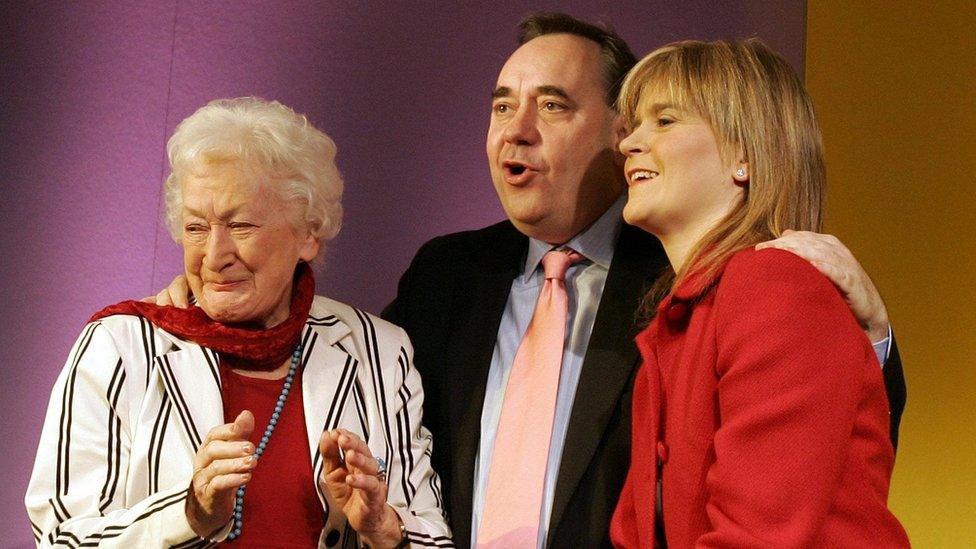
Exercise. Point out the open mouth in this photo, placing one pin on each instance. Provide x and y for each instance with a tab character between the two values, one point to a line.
514	167
636	176
518	173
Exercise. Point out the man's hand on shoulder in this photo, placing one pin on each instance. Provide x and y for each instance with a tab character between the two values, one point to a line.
176	294
836	262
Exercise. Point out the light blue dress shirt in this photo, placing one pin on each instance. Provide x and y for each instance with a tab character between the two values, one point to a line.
584	286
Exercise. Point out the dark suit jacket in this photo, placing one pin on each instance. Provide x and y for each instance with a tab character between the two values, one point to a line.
450	301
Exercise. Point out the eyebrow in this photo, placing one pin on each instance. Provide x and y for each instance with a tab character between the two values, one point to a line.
192	211
658	107
220	215
501	91
505	91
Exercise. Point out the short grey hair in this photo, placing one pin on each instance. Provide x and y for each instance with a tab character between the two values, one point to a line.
615	53
271	138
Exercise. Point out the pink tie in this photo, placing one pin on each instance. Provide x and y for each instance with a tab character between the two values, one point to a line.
513	500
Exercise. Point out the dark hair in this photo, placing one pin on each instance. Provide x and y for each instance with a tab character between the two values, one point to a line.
617	57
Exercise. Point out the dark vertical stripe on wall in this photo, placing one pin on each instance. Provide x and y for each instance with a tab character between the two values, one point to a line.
802	44
164	160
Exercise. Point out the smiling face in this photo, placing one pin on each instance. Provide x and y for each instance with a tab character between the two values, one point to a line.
240	249
552	138
679	185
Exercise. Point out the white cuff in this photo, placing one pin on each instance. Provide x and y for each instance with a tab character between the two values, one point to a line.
882	349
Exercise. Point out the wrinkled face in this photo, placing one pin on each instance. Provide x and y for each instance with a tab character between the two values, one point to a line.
677	179
240	249
552	138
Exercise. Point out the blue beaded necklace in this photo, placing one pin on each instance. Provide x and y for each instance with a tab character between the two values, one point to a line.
279	406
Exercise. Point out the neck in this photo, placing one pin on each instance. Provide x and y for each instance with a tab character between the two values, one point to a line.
679	243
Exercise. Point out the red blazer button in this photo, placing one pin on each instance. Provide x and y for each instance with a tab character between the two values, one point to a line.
677	312
662	451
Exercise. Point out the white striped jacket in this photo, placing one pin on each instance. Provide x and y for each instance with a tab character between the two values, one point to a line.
133	403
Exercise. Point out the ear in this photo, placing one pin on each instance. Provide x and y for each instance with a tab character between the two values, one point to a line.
618	131
309	247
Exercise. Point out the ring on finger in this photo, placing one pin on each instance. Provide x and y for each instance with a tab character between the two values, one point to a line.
380	468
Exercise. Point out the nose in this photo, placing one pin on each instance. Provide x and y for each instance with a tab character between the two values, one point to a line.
220	249
634	143
521	128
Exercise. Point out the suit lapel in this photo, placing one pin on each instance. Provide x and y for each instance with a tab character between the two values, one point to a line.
328	375
191	380
610	361
470	352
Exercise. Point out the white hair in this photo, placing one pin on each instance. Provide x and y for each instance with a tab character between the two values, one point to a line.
256	134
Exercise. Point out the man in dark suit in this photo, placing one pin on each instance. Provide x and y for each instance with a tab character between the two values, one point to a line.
467	298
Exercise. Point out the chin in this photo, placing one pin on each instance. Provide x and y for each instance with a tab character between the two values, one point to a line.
225	309
524	213
222	315
632	214
641	219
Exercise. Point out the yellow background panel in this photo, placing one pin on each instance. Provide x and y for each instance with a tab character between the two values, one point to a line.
894	84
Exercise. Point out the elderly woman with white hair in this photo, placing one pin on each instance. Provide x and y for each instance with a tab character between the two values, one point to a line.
263	416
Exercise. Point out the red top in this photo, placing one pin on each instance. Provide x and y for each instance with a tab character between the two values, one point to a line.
761	407
281	507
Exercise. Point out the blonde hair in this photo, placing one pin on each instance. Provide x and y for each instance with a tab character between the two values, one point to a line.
759	111
268	140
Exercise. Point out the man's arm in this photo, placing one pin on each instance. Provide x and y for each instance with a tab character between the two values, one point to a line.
894	380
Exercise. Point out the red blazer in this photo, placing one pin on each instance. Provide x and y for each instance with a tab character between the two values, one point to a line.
761	407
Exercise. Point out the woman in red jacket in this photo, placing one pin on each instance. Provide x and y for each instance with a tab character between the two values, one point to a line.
760	417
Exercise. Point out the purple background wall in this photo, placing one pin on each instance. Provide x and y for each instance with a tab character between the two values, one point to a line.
91	91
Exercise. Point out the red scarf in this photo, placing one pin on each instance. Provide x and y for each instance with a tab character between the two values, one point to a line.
239	348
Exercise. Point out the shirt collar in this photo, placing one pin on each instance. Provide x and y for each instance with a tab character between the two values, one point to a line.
595	243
